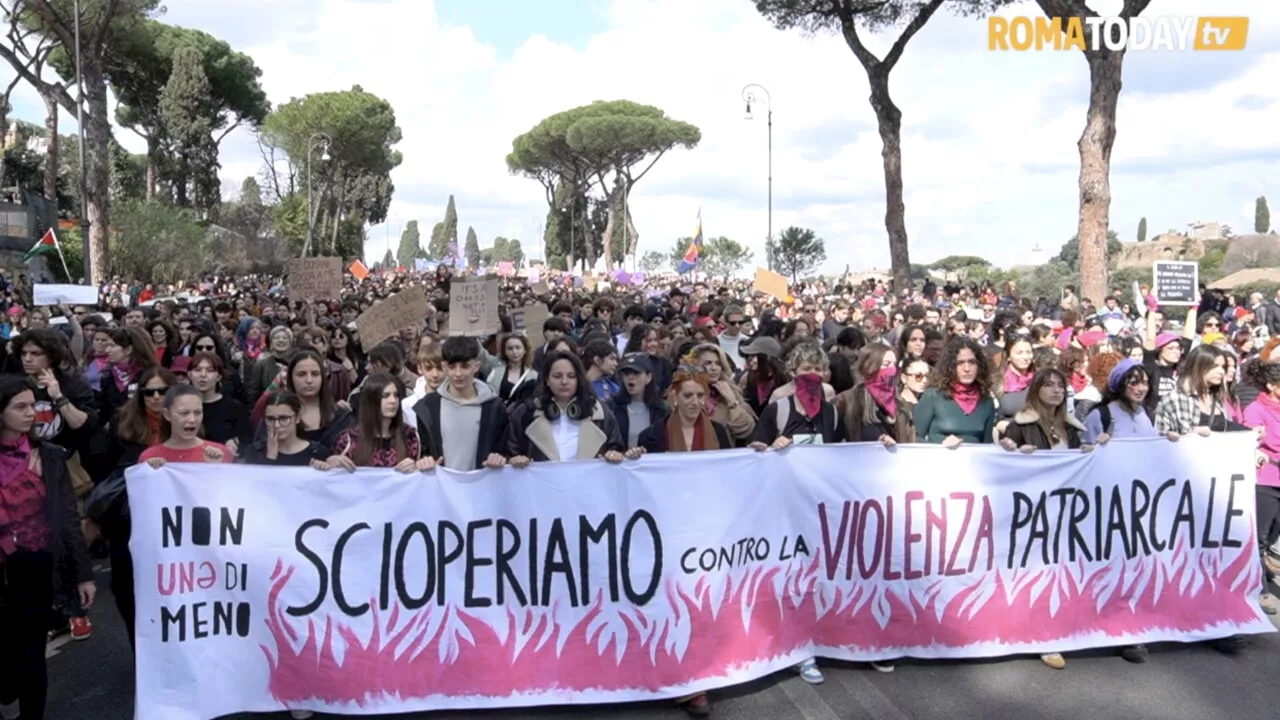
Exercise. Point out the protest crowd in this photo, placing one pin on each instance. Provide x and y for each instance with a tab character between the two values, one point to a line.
229	370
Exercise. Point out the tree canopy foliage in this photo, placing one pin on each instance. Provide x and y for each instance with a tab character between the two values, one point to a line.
139	64
798	252
605	147
1261	215
1070	252
353	186
410	247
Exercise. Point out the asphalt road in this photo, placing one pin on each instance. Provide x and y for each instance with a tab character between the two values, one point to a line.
93	680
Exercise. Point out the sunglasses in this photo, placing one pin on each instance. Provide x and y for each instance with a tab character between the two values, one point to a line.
153	392
205	348
917	376
735	323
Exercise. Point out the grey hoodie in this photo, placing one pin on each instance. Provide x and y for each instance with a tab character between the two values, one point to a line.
460	425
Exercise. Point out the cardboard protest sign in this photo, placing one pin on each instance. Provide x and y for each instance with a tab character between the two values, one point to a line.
771	283
404	309
315	278
1176	283
358	270
473	307
528	321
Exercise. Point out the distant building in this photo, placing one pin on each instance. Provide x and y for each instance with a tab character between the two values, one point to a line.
1205	231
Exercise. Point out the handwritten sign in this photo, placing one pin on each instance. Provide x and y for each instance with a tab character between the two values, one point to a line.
404	309
315	278
1176	282
528	322
473	307
770	283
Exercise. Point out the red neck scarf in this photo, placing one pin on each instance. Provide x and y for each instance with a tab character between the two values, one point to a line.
1015	381
123	374
809	394
14	460
883	389
1079	382
966	396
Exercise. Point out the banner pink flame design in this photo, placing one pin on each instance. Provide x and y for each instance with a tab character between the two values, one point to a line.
746	617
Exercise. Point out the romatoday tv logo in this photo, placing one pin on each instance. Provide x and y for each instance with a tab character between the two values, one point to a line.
1023	33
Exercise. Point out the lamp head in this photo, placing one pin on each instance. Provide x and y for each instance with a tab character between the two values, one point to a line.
748	115
324	152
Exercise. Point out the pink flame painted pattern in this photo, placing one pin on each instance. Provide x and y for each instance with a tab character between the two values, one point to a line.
745	617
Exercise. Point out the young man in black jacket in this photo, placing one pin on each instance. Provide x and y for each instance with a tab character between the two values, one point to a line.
462	425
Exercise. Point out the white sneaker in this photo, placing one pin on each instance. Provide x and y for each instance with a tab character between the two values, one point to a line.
300	714
10	711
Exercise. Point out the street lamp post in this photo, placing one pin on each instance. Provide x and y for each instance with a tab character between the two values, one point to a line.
322	141
84	171
749	97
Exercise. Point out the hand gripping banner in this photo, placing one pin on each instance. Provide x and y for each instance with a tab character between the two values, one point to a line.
375	592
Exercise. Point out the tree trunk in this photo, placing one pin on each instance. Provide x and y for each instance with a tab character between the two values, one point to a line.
153	153
889	119
98	159
1095	170
51	152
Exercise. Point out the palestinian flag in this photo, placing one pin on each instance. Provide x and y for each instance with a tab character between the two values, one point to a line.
45	245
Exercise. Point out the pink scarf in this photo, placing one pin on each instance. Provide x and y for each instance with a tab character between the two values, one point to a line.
102	361
883	388
809	394
1015	381
966	396
13	460
124	375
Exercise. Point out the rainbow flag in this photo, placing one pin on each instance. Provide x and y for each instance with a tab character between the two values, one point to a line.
690	261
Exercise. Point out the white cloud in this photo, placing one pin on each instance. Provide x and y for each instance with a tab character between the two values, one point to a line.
989	139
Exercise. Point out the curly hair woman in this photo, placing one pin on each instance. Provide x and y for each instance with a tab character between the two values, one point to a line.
958	407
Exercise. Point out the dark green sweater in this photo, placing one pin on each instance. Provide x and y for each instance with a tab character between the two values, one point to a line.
937	417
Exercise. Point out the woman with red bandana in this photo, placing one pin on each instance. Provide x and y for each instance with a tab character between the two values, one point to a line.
958	407
870	408
802	418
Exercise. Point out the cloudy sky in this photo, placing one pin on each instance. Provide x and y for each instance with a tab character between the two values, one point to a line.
989	139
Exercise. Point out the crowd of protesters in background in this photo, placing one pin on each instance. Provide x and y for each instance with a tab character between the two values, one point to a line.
233	370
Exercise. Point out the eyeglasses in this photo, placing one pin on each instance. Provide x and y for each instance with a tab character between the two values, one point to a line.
153	392
278	419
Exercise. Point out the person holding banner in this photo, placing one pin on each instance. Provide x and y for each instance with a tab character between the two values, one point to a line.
1045	424
1196	406
803	417
40	527
380	437
462	424
564	420
180	424
284	443
958	406
688	429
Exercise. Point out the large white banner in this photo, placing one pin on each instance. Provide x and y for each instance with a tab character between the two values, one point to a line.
265	588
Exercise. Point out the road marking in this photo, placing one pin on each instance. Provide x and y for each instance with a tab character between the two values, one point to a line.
54	646
806	699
